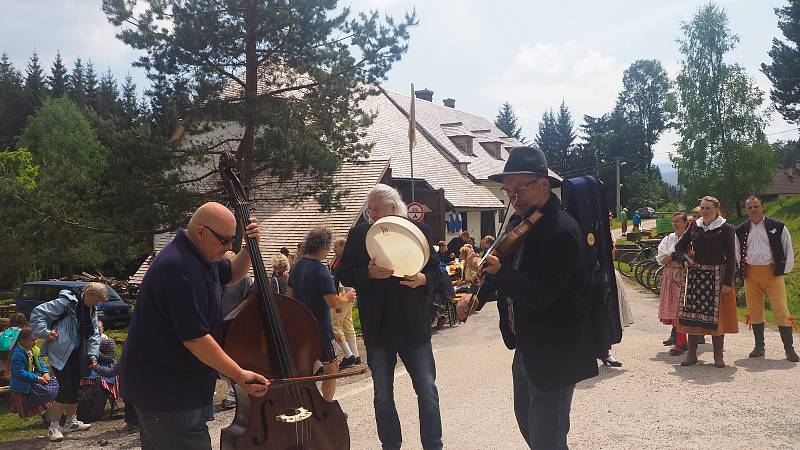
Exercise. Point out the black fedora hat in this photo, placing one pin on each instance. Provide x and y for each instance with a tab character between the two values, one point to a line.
529	161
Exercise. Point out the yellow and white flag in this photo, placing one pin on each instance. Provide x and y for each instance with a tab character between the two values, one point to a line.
412	122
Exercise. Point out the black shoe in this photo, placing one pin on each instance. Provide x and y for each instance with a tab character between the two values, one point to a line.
228	404
357	360
672	338
675	351
611	361
347	362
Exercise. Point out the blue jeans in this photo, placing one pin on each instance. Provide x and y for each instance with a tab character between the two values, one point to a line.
185	430
542	416
419	363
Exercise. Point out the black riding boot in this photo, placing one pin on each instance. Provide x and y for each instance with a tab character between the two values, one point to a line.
758	334
786	337
672	337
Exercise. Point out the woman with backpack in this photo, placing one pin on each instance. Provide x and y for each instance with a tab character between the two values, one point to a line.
69	324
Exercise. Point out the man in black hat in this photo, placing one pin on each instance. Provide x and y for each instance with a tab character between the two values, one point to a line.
542	297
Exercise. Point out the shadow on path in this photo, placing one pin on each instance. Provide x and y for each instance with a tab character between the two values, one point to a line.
606	373
763	365
705	373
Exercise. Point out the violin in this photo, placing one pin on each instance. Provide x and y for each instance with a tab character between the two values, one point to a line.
277	336
505	245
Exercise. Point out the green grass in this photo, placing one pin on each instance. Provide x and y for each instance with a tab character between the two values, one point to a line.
12	427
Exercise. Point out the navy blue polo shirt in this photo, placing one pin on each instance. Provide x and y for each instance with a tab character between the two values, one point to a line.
179	300
311	281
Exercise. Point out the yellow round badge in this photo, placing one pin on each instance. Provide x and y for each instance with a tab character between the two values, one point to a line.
590	239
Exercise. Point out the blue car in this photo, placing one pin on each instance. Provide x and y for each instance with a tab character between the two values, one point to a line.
114	313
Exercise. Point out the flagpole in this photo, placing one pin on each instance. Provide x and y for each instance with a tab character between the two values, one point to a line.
412	137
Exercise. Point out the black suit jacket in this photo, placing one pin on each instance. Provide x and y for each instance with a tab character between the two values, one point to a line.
372	294
551	302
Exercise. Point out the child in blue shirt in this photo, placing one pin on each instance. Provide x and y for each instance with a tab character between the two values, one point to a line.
32	388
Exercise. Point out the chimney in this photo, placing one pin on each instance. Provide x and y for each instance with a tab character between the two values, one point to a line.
424	94
449	102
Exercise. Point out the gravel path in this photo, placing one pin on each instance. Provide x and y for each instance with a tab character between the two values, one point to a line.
651	402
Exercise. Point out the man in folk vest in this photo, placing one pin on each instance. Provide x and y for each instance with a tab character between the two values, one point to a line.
764	252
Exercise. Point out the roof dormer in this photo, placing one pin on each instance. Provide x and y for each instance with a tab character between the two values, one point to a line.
459	136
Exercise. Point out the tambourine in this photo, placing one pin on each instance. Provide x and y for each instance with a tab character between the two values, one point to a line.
397	243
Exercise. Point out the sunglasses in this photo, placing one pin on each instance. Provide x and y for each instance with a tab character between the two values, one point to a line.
224	240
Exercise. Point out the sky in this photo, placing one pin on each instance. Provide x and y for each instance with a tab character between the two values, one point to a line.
534	54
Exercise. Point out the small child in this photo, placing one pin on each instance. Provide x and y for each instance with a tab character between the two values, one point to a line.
32	388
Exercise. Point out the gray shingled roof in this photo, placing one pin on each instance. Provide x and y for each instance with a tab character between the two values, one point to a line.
286	226
389	133
432	116
787	181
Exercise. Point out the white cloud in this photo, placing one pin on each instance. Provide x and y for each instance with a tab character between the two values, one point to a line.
543	74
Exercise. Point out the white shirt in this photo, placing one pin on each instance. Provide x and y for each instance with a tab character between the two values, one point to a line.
758	251
666	247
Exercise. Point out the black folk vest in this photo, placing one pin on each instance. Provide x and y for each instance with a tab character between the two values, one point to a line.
774	231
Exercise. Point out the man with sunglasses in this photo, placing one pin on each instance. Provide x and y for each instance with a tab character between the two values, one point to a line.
542	296
172	354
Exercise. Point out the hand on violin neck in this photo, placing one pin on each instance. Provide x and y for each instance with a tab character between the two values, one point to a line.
490	265
415	281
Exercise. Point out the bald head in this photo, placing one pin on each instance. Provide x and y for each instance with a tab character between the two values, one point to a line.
338	246
212	213
211	224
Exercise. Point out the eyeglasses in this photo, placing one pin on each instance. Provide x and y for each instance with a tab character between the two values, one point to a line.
516	192
222	239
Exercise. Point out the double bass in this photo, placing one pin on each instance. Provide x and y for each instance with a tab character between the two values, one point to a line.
277	336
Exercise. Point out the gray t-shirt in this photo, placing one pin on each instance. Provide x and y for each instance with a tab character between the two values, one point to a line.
233	295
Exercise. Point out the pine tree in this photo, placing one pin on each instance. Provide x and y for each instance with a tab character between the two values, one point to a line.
11	103
784	71
565	132
90	80
129	107
292	75
547	141
107	104
506	121
77	84
58	79
35	89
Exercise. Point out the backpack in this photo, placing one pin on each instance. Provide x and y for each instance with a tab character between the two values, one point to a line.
8	338
584	199
92	403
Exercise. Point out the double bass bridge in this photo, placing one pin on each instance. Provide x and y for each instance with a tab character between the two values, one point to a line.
293	416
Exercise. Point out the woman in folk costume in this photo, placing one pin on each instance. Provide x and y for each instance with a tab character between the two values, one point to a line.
671	283
709	306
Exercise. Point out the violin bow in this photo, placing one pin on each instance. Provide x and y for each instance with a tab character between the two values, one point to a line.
309	379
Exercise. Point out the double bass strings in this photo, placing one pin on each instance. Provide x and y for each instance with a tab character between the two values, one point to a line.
271	314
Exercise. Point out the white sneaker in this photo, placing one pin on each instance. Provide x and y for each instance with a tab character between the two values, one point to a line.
76	425
55	435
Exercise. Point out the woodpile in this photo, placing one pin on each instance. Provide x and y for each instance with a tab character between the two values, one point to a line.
121	286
